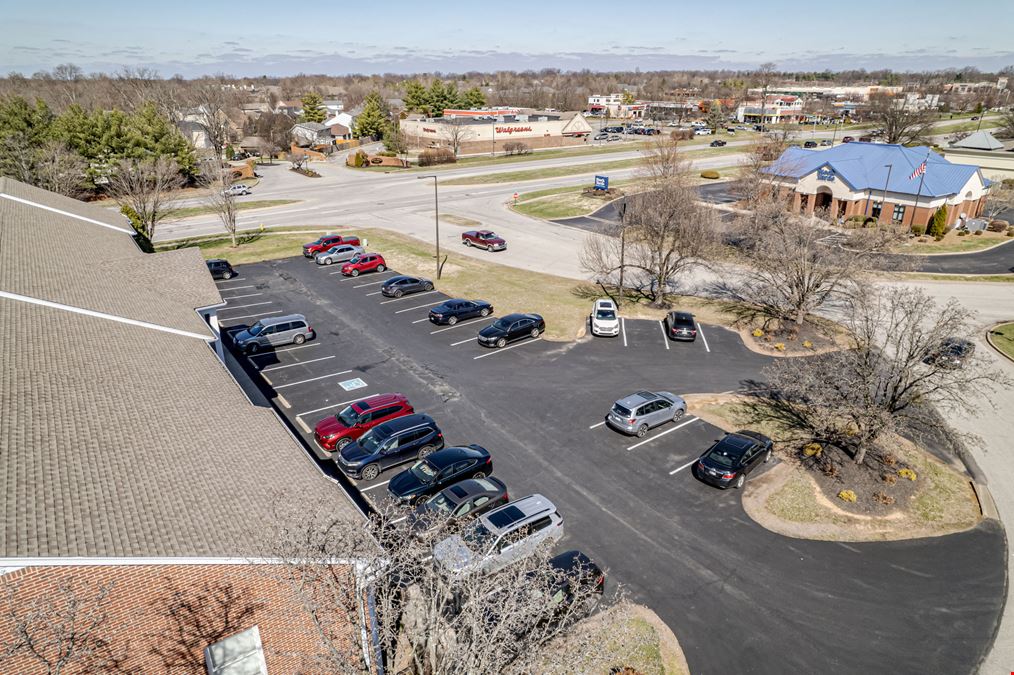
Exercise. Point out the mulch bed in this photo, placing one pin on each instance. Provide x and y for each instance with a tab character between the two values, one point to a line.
880	485
809	339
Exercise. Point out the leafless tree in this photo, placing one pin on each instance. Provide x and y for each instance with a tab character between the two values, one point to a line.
456	132
218	180
1007	124
62	630
210	108
298	160
887	382
663	160
900	124
428	620
61	170
999	200
147	187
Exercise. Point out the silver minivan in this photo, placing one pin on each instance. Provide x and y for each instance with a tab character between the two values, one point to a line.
274	332
642	410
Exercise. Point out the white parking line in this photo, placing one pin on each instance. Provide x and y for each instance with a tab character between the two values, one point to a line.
252	304
236	288
665	338
503	349
376	486
690	463
288	349
360	277
374	293
425	318
372	283
245	295
328	407
229	281
247	316
312	379
667	431
455	344
428	304
304	425
300	363
398	520
597	425
701	332
406	297
463	323
623	327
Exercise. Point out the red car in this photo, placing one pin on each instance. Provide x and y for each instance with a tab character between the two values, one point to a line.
483	239
367	262
335	432
326	242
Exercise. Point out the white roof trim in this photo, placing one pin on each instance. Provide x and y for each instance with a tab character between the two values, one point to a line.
65	213
103	315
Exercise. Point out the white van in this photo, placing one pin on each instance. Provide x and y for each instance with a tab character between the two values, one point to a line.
703	131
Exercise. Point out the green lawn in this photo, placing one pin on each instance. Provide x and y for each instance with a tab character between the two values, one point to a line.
954	245
562	205
969	278
1002	338
191	211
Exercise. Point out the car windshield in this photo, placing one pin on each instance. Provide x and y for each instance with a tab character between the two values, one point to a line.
369	442
683	321
501	324
605	314
486	235
440	503
256	328
356	258
348	416
478	538
423	470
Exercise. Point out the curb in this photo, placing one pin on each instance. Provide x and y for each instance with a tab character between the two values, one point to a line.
986	504
989	341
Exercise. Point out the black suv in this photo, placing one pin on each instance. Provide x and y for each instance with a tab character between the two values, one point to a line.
395	442
729	460
220	269
681	326
511	327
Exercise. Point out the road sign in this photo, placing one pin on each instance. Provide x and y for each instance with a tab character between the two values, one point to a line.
601	182
349	385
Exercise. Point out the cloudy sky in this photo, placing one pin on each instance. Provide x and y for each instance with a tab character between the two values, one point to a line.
253	37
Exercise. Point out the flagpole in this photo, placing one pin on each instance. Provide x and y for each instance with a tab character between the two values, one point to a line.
918	194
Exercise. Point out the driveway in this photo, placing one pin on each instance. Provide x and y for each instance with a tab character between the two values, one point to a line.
740	598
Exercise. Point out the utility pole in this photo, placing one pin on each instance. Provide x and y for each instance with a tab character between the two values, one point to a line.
623	245
436	218
883	200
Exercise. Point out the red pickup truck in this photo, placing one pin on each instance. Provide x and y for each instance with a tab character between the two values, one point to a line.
483	239
326	242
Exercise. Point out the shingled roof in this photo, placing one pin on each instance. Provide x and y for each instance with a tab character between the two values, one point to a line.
121	432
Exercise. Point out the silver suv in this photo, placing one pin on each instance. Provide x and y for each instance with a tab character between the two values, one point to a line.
275	331
500	537
642	410
339	253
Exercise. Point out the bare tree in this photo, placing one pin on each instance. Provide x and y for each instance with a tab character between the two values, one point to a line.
62	630
1000	201
663	160
1007	124
210	110
146	187
456	132
900	124
901	364
298	159
220	198
428	619
61	170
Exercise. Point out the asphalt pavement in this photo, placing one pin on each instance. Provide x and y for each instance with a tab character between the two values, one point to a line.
740	598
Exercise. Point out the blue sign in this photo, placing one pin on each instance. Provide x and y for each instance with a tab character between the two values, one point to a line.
601	182
825	173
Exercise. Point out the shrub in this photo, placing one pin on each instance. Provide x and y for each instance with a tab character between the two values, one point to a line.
961	233
436	156
360	159
888	459
387	153
847	496
1010	232
889	478
881	498
757	332
907	473
977	233
807	344
516	148
918	230
812	450
997	225
938	225
710	173
780	346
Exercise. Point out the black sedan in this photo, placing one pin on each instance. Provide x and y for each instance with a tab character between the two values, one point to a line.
510	328
728	461
454	310
438	470
467	499
717	143
681	326
395	287
952	352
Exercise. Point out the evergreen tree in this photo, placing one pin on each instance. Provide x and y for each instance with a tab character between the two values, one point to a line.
313	108
938	225
24	129
416	97
474	98
441	97
373	120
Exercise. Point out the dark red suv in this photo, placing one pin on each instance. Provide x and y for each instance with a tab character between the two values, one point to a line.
367	262
335	432
326	242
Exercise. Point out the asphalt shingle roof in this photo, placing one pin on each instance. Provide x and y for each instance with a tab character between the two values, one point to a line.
864	166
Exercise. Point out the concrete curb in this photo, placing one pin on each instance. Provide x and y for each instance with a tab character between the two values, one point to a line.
989	340
986	503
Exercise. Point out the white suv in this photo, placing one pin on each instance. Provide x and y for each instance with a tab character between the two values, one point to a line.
500	537
603	318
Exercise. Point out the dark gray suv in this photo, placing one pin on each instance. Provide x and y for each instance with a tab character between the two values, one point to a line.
642	410
394	442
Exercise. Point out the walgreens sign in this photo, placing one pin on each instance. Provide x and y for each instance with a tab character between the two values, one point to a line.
513	130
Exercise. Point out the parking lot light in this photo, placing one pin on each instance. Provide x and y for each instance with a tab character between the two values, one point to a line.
436	218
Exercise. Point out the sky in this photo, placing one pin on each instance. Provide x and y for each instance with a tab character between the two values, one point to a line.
254	37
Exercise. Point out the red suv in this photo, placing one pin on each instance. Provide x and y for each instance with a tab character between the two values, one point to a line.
335	432
367	262
326	242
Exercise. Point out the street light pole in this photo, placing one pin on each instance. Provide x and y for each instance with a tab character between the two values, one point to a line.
436	218
883	200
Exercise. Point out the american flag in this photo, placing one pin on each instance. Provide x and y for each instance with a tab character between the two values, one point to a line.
919	170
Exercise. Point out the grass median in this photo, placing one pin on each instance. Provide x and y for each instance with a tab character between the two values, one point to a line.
191	211
1002	338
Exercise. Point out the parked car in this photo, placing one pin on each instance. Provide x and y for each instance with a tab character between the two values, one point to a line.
469	498
810	144
501	536
702	131
741	127
730	130
326	242
340	253
388	444
510	328
613	130
643	410
603	318
577	576
276	331
681	326
614	137
454	310
601	137
444	467
847	139
336	431
975	118
220	268
717	143
237	190
368	262
729	460
952	352
825	142
483	239
400	285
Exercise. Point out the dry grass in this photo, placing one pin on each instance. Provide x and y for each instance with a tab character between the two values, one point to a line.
460	220
952	243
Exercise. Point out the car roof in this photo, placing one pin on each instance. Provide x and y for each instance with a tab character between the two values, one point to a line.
755	435
472	487
736	442
637	398
572	560
399	277
605	303
274	320
448	456
516	316
507	517
399	424
218	260
682	316
378	400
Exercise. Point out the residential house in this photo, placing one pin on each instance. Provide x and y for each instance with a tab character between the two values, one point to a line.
311	135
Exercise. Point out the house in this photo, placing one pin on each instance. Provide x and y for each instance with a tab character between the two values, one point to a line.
333	106
982	149
311	134
773	110
344	118
135	467
195	133
290	108
254	109
879	181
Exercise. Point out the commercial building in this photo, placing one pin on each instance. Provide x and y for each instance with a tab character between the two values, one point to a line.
484	133
774	110
878	181
620	106
982	149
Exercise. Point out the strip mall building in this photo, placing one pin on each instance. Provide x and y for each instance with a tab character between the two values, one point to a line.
484	131
879	181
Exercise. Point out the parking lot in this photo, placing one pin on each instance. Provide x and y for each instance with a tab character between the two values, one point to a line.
686	549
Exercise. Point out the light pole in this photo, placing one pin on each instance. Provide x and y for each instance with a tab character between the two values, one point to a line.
436	217
883	200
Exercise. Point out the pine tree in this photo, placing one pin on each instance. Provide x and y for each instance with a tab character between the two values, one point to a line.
938	225
474	98
313	108
373	120
416	97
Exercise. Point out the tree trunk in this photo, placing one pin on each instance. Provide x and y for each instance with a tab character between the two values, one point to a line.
860	455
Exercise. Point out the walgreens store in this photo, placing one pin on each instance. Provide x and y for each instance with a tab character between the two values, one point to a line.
482	131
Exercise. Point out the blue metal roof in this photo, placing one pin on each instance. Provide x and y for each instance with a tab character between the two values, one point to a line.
864	166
